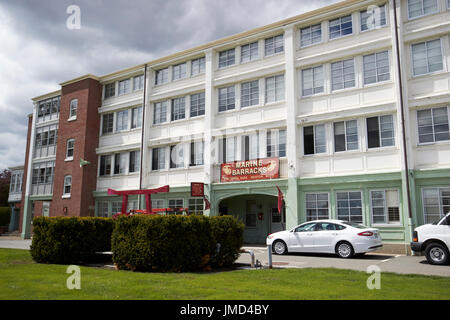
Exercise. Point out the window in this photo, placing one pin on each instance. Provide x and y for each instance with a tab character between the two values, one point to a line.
226	58
42	178
135	161
48	109
160	112
249	93
380	131
314	139
198	66
227	149
276	143
136	118
116	207
179	71
349	205
427	57
312	80
69	148
124	86
342	74
45	141
108	123
102	209
132	205
67	185
316	206
158	158
178	109
105	165
196	206
122	121
418	8
120	163
176	156
226	98
197	149
433	125
436	203
73	109
385	206
197	104
138	82
376	67
346	135
162	76
306	227
273	45
340	27
311	35
275	88
249	52
176	203
158	204
110	90
250	147
372	18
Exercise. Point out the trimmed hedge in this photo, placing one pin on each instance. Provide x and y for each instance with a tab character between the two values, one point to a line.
5	216
175	243
64	240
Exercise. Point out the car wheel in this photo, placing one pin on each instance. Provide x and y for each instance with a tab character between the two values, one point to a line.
279	247
436	253
344	250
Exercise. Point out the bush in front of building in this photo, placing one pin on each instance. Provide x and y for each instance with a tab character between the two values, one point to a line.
70	240
5	216
173	243
229	234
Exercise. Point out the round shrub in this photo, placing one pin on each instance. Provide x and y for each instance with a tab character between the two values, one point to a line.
73	240
5	216
174	243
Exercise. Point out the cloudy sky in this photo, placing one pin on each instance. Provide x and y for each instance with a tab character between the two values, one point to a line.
38	51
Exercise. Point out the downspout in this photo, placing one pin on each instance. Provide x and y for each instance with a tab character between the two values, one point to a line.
402	112
142	134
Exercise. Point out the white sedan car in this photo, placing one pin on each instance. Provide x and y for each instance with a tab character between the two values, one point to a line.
326	236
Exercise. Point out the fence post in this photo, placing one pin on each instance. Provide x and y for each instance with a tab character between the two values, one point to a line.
269	250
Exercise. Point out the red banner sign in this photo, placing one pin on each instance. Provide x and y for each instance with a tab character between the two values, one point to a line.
259	169
197	189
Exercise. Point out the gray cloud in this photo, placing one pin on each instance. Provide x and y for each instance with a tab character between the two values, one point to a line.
37	51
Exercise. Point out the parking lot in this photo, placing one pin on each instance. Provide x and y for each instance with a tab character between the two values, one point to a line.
387	263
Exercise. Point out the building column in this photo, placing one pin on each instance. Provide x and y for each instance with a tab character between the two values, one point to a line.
292	131
209	152
27	205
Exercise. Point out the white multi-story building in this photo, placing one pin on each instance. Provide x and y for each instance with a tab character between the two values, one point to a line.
350	102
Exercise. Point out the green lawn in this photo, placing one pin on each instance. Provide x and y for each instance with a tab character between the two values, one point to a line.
21	278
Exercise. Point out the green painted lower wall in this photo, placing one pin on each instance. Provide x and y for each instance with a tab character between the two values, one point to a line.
235	196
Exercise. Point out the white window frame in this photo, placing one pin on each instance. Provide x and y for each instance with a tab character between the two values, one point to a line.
343	74
111	169
136	117
225	95
380	132
103	123
427	58
161	158
197	202
179	71
197	106
314	74
227	58
228	157
249	52
442	213
70	148
383	7
178	109
432	125
377	68
423	11
158	108
340	27
176	156
247	99
196	153
276	47
139	80
310	33
73	109
67	183
279	88
349	207
325	144
346	139
317	216
136	161
198	66
124	87
122	165
122	119
387	221
274	135
107	90
162	76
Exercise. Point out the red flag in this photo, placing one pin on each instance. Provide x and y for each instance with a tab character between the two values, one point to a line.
280	200
207	204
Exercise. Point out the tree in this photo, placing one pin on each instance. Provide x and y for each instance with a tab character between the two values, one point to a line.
5	179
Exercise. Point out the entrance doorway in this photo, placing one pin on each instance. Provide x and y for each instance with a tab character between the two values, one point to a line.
259	214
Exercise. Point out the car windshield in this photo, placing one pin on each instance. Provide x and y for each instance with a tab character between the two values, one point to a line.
441	219
354	225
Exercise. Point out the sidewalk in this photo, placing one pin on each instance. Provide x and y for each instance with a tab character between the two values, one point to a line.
8	242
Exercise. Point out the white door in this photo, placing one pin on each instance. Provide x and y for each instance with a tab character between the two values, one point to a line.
45	209
278	221
302	239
